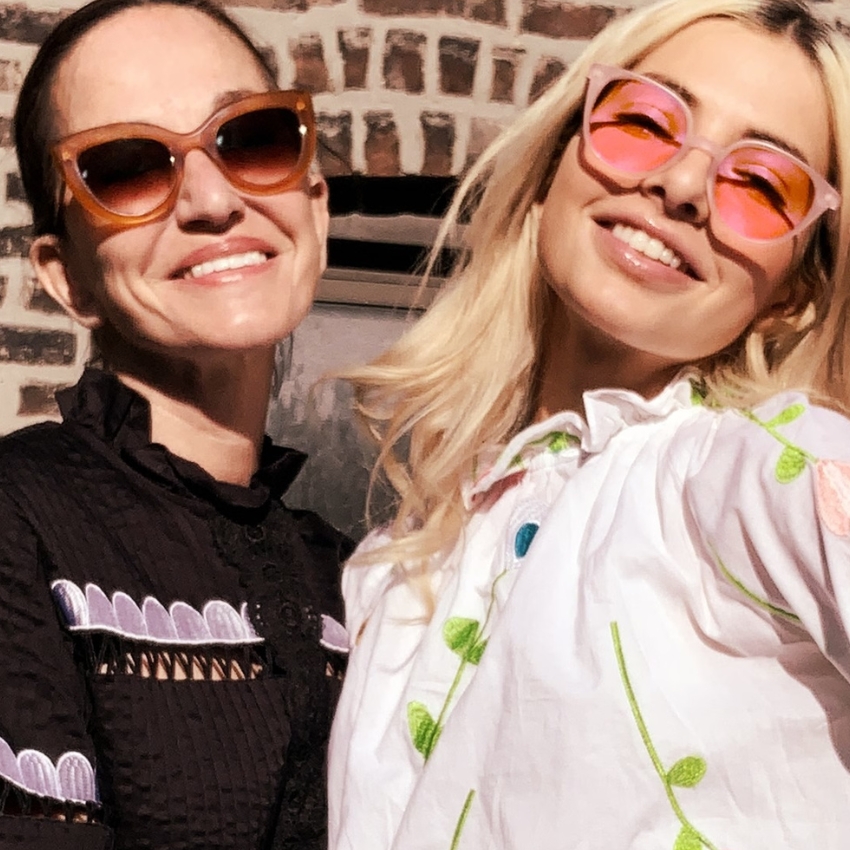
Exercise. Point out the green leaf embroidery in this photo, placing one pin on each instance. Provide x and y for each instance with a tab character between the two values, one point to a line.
464	637
793	459
687	772
424	731
460	634
560	440
788	415
474	654
697	393
790	465
688	839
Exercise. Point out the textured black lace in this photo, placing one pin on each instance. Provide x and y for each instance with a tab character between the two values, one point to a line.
286	597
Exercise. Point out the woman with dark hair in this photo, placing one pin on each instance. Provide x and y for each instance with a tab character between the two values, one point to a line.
170	652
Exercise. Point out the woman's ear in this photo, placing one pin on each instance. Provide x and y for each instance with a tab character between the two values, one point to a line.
51	268
317	192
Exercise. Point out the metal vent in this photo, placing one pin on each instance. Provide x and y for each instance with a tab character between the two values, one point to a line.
382	229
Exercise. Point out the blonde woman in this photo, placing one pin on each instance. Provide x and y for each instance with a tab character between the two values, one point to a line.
612	611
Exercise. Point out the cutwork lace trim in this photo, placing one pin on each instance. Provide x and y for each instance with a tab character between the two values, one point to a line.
105	654
31	785
14	802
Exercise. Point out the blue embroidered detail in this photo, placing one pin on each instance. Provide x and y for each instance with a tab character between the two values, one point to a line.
525	521
524	537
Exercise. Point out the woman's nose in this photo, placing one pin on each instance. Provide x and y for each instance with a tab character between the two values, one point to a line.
206	200
682	187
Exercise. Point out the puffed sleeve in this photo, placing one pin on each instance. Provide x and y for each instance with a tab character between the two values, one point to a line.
48	793
769	501
363	584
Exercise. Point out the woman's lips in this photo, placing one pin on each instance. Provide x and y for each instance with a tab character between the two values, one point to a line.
652	247
632	250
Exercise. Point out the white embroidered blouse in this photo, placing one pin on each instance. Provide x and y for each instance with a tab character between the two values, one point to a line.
640	643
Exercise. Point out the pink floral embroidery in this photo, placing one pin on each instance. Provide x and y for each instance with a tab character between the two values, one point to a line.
833	489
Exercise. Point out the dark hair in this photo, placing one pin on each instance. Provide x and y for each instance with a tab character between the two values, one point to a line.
794	19
32	121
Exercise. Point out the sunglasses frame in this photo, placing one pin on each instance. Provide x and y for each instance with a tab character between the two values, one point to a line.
66	151
826	197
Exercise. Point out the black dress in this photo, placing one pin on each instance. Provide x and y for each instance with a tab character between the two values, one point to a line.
170	648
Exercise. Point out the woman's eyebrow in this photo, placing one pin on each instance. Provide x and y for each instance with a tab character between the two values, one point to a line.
750	133
228	97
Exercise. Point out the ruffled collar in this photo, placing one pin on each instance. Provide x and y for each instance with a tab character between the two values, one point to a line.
608	412
120	417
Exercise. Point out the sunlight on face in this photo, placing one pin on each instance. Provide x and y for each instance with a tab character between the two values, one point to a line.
640	268
223	269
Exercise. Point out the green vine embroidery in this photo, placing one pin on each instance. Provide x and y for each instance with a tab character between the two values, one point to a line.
698	392
555	441
465	638
793	459
687	772
461	821
753	597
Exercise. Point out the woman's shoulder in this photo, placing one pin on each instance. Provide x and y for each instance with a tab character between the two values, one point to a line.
35	450
788	421
364	581
765	457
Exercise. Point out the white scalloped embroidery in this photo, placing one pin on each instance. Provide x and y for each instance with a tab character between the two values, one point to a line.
93	610
334	635
71	778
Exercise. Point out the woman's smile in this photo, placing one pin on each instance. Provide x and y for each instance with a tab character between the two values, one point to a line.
630	251
208	263
639	240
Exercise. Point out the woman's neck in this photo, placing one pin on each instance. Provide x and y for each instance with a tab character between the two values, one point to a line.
578	359
211	412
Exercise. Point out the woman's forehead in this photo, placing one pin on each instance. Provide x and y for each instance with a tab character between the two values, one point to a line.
165	65
742	80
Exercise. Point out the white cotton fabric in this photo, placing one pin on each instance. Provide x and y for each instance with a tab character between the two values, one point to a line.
699	536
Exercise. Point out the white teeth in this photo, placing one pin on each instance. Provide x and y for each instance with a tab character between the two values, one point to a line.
641	241
654	249
223	264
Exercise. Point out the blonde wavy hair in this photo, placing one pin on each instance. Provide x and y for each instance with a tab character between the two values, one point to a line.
466	376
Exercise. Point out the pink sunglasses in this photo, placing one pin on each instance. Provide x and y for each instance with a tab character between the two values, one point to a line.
637	126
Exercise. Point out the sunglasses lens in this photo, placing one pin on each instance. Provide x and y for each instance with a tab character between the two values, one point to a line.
636	127
261	148
761	193
128	176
